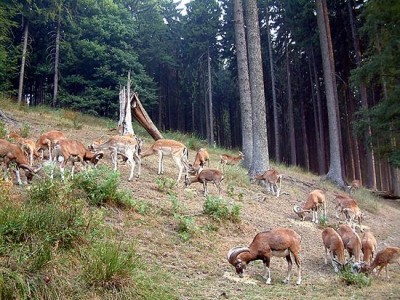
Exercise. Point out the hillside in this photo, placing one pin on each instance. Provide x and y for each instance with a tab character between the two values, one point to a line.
197	268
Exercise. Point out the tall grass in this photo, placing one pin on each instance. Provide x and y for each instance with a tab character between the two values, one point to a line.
100	186
109	264
366	200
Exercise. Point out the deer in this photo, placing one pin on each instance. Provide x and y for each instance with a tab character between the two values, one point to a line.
127	146
201	158
47	141
273	179
11	153
229	160
355	185
28	146
177	150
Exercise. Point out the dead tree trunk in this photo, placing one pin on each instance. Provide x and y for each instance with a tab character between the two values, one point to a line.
125	117
140	114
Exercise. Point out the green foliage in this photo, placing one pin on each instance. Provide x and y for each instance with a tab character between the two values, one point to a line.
381	70
165	184
32	232
219	209
109	264
24	130
358	279
100	186
3	130
186	226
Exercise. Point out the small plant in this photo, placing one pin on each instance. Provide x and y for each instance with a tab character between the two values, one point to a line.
186	226
3	130
358	279
323	221
218	209
176	205
165	184
100	186
109	264
74	117
230	190
24	131
141	207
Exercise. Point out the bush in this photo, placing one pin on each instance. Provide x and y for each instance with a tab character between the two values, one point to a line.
165	184
109	264
100	186
357	279
218	209
34	231
186	226
3	130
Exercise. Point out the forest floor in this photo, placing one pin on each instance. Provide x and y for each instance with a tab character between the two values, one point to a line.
198	268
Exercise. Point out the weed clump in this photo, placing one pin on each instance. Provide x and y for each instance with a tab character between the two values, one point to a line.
219	209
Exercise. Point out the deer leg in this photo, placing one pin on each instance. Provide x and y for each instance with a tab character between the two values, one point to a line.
267	271
289	261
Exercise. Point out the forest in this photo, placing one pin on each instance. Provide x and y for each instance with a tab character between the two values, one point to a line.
313	84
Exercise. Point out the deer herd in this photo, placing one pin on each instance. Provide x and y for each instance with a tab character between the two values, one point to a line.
20	153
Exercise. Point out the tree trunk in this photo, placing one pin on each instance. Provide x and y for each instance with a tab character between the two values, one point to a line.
292	137
210	102
56	61
244	84
23	61
274	102
260	161
305	138
370	159
143	118
322	153
335	173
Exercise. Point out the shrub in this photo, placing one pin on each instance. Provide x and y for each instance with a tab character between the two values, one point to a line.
357	279
109	264
186	226
165	184
100	186
218	209
3	130
24	131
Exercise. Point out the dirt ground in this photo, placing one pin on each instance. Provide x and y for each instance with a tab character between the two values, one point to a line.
198	268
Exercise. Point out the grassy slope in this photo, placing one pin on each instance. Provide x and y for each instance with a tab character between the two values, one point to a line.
197	269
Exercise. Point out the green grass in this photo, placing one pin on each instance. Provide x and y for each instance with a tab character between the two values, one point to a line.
366	200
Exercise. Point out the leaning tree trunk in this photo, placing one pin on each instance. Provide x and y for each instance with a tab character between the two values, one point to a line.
143	118
23	60
244	83
335	173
